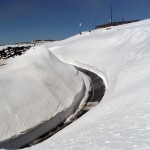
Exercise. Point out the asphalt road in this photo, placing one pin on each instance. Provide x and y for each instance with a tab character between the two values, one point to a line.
95	96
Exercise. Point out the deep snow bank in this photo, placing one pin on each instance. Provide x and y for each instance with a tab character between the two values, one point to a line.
121	120
34	88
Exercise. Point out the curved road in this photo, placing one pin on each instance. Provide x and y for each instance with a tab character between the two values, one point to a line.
95	96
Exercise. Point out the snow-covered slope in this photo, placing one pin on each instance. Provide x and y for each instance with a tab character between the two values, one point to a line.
34	87
5	46
121	120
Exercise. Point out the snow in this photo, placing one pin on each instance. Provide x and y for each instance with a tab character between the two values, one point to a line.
5	46
121	121
34	88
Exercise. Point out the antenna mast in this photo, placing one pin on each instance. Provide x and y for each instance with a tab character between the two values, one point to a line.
111	15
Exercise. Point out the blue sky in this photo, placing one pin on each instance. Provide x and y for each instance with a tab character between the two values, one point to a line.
27	20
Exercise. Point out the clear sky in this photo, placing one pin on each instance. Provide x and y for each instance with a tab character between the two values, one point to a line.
27	20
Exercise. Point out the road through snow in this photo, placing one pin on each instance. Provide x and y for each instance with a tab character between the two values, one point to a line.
95	95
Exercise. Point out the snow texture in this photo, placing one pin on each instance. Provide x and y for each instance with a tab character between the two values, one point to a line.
121	121
34	88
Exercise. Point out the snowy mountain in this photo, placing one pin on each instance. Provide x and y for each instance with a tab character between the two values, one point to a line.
34	88
121	121
42	84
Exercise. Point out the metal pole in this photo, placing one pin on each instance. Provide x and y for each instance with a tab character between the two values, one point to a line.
95	24
80	31
111	15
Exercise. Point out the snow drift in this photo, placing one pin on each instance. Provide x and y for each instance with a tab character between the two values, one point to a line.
33	89
121	120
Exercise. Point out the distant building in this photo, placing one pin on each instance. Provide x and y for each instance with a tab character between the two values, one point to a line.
115	23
